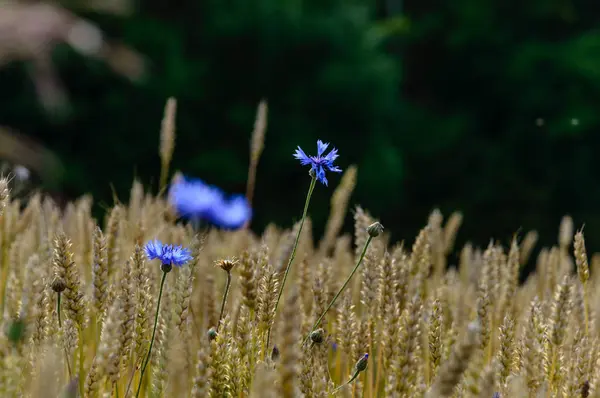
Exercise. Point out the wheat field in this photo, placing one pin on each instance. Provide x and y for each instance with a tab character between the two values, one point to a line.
80	298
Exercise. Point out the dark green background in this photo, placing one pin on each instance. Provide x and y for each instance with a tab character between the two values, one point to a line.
436	102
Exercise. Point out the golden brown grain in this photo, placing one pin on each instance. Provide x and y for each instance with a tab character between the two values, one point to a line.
433	330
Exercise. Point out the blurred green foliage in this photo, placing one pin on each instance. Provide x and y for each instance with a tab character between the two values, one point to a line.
483	107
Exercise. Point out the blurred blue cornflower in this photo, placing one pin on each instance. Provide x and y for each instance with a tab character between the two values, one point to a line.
319	163
196	200
167	254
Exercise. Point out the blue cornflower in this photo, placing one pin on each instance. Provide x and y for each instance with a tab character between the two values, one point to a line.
167	254
195	199
232	213
319	163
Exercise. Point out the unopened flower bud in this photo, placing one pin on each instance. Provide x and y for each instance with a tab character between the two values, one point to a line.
166	267
275	354
58	284
361	365
212	334
317	336
585	389
16	331
375	229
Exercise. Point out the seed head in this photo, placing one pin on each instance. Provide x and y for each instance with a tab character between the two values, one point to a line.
227	264
58	284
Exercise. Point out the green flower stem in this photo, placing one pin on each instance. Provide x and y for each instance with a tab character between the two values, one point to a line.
162	283
287	269
354	376
362	256
224	299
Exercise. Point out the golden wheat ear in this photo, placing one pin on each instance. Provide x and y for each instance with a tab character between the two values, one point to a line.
257	144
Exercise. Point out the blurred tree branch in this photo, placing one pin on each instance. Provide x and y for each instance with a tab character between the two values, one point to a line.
30	30
20	150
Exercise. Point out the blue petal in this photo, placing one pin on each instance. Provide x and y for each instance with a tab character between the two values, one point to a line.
167	254
300	155
194	198
321	175
180	256
333	168
233	213
319	163
321	147
154	249
333	155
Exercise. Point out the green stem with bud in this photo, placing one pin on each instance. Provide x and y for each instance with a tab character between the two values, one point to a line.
162	283
287	269
360	366
362	255
354	376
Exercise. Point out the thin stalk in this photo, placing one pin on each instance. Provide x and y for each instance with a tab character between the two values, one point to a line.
362	255
379	369
338	365
135	369
95	333
553	386
251	181
287	269
58	310
162	284
369	376
224	299
586	308
354	376
60	326
4	244
81	362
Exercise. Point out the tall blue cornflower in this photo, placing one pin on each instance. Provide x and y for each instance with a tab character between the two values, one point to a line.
198	201
168	255
319	163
